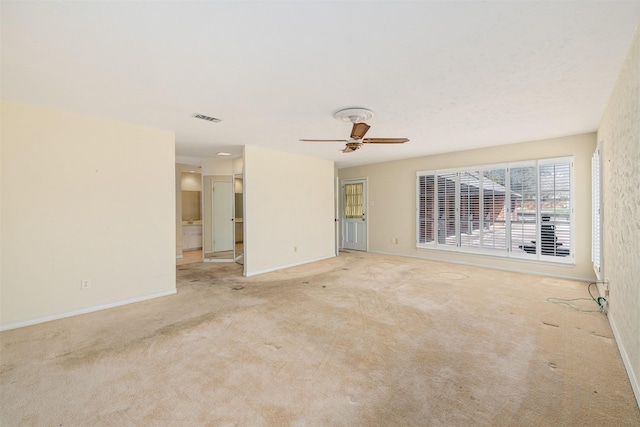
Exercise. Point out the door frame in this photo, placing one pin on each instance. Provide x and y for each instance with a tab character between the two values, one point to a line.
365	192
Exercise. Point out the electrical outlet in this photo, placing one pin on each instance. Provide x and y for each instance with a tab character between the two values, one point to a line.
85	284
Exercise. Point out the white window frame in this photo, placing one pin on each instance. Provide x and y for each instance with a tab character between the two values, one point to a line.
597	212
437	244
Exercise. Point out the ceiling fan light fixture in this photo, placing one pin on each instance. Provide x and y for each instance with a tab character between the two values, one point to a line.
352	146
353	115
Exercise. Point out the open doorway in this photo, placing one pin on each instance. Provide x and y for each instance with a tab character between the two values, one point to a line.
188	214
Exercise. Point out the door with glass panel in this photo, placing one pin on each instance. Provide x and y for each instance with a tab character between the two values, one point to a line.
354	216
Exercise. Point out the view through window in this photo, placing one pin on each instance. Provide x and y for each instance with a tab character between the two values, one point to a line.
518	210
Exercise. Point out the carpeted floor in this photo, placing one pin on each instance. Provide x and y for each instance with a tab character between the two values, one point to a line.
358	340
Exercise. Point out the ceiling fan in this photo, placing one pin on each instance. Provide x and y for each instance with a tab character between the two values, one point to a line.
357	116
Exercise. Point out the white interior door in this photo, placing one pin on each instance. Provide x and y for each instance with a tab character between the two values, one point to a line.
336	215
354	215
222	216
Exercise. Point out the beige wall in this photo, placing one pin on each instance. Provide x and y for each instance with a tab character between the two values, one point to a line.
191	181
392	200
82	198
191	192
619	133
218	166
178	219
288	206
238	165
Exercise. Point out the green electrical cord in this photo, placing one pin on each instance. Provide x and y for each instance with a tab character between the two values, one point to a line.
603	304
567	302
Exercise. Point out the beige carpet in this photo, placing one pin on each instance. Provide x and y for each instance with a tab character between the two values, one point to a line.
358	340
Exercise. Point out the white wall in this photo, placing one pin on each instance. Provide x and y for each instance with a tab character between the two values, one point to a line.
392	200
619	132
288	206
82	198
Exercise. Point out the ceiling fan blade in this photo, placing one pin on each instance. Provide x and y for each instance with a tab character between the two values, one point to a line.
359	130
384	140
324	140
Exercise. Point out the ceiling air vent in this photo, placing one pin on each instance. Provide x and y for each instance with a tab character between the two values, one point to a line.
208	118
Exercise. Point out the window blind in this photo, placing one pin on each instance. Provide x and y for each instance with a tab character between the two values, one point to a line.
518	210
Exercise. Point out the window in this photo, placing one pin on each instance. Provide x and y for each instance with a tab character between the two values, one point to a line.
353	200
555	208
521	210
470	208
426	210
446	193
523	188
495	208
596	215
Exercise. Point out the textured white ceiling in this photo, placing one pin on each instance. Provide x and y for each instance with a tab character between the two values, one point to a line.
447	75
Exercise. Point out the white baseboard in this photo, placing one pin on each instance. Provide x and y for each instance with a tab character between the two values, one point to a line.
633	378
491	267
86	310
282	267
